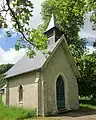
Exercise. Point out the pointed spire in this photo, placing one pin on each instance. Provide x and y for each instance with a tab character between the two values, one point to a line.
52	23
53	31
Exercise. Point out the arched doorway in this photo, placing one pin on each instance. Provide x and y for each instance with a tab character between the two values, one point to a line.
60	93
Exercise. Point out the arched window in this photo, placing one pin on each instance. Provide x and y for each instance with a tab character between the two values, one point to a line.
20	93
60	92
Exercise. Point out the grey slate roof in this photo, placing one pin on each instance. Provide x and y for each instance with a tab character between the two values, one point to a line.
26	64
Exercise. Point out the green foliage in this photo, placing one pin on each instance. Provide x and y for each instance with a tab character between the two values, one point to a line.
4	68
13	113
87	106
70	17
20	12
69	14
87	83
86	102
2	22
35	39
91	6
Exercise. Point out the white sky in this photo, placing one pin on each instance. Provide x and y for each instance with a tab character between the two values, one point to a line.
12	56
88	27
36	19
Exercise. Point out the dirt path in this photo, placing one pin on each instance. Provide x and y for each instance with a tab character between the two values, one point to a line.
82	114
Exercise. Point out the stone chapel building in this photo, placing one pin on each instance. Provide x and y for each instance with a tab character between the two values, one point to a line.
47	84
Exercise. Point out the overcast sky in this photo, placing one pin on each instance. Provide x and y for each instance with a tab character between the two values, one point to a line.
7	52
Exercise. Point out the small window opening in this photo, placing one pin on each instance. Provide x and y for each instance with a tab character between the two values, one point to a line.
20	93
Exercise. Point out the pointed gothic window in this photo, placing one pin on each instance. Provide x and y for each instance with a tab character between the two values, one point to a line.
20	93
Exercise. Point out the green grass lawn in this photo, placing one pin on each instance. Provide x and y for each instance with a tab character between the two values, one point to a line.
87	106
88	102
13	113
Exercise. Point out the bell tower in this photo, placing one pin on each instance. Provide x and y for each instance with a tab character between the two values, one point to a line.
53	31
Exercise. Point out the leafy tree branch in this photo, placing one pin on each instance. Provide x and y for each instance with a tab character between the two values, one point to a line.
20	14
17	22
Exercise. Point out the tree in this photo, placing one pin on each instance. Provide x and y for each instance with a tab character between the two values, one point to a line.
87	83
20	12
70	17
4	68
69	14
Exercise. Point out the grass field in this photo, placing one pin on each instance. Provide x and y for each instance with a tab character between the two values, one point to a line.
13	113
88	102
